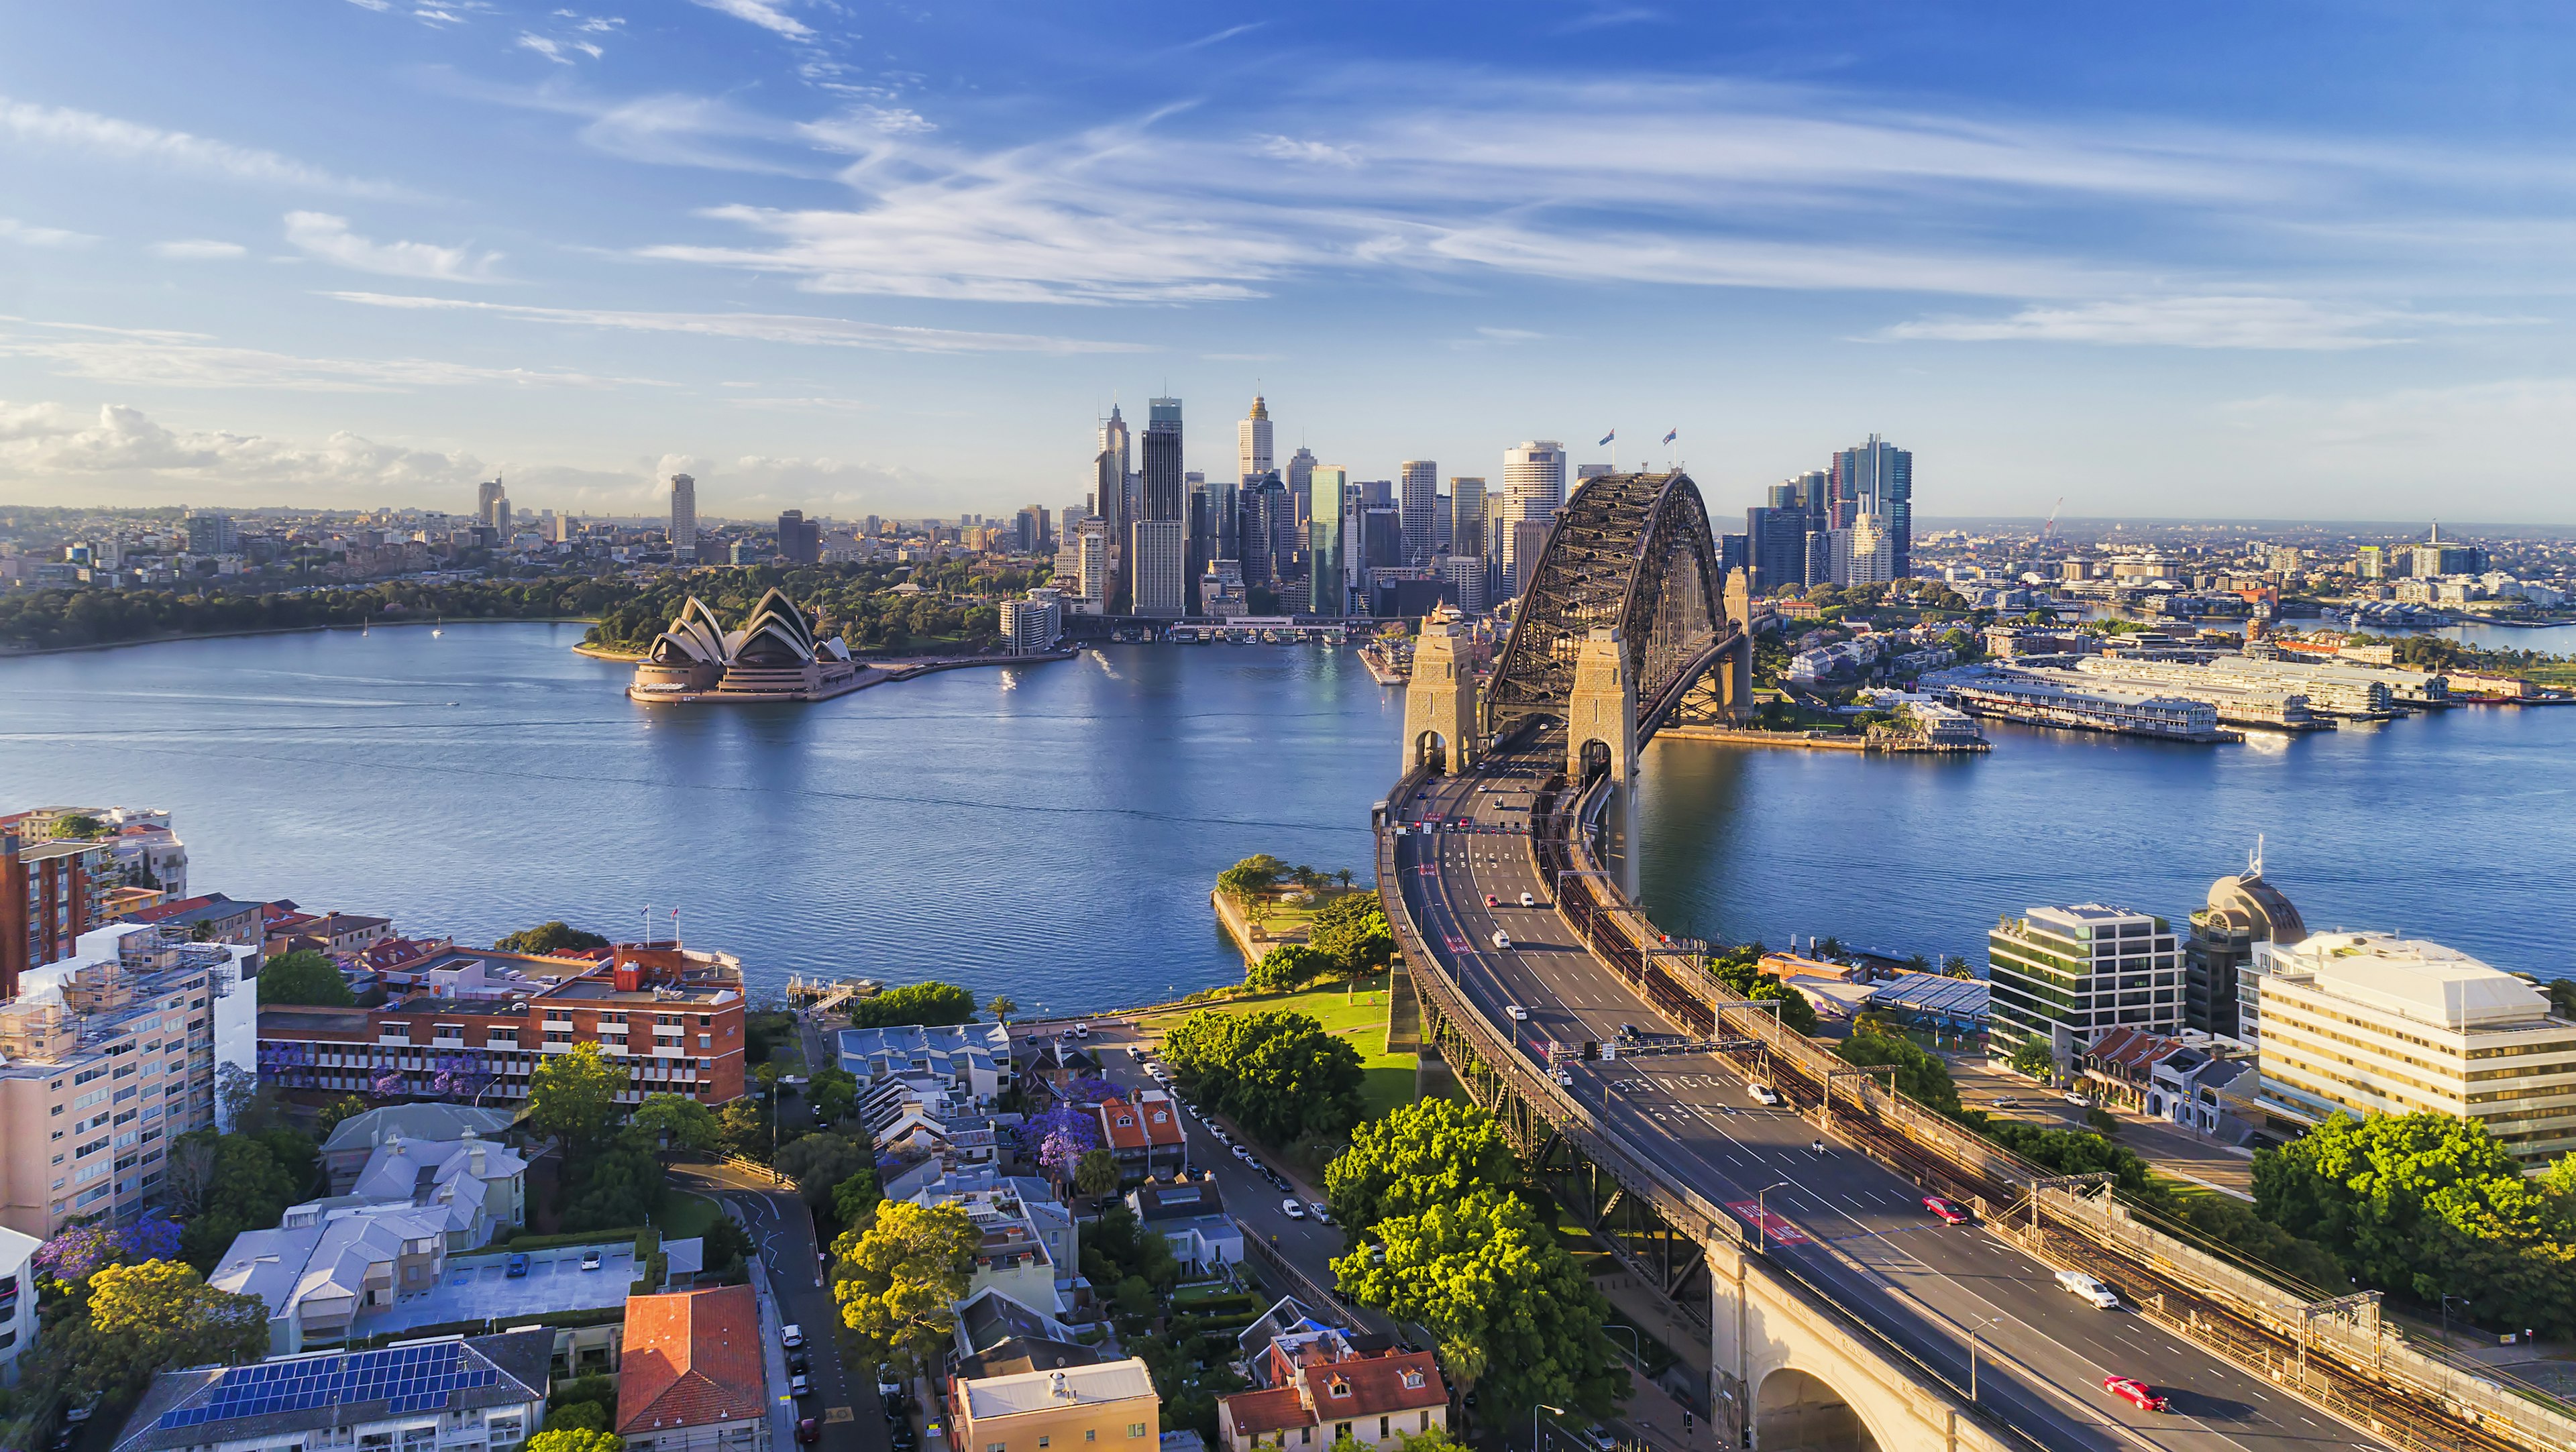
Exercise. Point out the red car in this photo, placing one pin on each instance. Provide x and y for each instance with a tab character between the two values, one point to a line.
1950	1211
809	1431
2135	1392
1492	901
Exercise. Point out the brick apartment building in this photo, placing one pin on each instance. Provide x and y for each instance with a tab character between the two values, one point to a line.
47	900
672	1018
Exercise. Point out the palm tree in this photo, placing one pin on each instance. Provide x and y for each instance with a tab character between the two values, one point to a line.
1002	1008
1344	875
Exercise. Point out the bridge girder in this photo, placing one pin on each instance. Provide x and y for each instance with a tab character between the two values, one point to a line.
1630	551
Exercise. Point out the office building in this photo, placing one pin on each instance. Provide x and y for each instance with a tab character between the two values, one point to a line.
2371	1023
1252	442
1327	567
2434	559
1265	529
1110	502
1165	493
1300	478
1029	531
1466	577
107	1056
1734	552
1419	497
1035	624
1159	568
1466	516
1876	478
486	494
1528	542
2244	909
684	516
800	540
1777	539
694	1378
2060	976
1383	543
460	1391
1533	490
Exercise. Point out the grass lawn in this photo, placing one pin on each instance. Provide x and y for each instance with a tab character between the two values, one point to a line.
685	1216
1283	924
1355	1012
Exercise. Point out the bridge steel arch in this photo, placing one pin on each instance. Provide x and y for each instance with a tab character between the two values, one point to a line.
1629	552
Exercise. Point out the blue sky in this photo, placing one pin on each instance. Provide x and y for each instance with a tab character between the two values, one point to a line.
2199	259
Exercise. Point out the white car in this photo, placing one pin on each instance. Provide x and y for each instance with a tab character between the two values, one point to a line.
590	1260
1528	901
1517	1012
1765	1094
791	1335
2087	1288
2078	1100
1321	1211
1292	1209
1502	939
1082	1030
1565	1078
1243	1154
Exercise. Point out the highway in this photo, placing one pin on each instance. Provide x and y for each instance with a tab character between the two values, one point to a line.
1847	1224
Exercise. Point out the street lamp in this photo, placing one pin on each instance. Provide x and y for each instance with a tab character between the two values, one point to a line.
1972	1355
1636	1346
1534	1411
2446	1315
1762	1217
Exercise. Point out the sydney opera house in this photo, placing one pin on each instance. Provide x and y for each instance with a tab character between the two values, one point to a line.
773	657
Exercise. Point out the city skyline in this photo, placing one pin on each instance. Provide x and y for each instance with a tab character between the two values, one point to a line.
857	262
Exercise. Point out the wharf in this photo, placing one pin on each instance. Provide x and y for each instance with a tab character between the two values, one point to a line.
1380	669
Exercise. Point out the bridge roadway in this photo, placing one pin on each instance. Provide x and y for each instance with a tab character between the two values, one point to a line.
1853	1227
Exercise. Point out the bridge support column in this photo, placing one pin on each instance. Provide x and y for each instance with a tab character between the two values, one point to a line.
1440	699
1601	711
1735	676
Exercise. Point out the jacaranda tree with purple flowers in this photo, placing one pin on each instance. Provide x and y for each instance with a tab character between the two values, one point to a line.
1059	1138
79	1250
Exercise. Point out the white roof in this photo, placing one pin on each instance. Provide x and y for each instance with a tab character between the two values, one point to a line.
2415	979
1038	1391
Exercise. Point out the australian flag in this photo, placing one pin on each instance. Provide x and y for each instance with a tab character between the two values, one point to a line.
1675	434
1606	438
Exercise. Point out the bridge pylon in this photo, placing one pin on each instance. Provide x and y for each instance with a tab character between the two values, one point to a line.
1601	711
1440	700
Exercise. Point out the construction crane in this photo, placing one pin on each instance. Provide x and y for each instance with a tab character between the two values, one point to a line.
2048	531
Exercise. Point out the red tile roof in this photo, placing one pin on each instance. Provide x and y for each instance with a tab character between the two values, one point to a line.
1118	1125
1376	1385
170	909
1162	1124
1259	1413
691	1359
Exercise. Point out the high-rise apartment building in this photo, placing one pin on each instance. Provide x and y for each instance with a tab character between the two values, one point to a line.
1327	569
1091	553
2369	1023
1533	489
1160	567
50	894
212	534
1467	516
1034	624
1877	478
1252	442
1420	496
684	516
1166	492
2061	975
1863	554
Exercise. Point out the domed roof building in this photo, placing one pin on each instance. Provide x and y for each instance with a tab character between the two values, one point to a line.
2244	909
774	656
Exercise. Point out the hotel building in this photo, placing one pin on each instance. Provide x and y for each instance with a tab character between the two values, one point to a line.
2061	975
2367	1023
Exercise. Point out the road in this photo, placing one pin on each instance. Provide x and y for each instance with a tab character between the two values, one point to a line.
1842	1220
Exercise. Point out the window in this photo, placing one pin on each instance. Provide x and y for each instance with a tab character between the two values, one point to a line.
1045	1441
1091	1434
997	1447
706	1041
1381	1429
1426	1420
1135	1429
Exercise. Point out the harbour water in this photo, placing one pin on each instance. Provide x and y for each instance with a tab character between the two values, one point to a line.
1052	830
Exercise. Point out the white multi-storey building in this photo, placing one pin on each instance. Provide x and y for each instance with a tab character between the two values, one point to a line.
1034	624
1161	569
1533	489
1252	442
2061	975
2370	1023
17	1301
684	516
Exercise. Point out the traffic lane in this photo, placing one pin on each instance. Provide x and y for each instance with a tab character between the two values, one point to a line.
1246	1196
844	1399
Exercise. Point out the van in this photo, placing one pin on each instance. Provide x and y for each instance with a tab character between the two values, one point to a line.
1502	939
2089	1289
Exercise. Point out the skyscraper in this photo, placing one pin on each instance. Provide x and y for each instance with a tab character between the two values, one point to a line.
1252	442
1265	529
1161	557
1533	488
1166	496
1300	479
800	542
1109	505
1420	497
684	516
1466	516
484	494
1777	540
1877	478
1327	591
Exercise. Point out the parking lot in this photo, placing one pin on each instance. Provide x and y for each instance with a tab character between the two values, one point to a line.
481	1289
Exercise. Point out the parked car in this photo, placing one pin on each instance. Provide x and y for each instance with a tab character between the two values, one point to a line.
590	1260
2137	1393
1136	1051
2078	1100
791	1335
1322	1212
518	1265
2087	1288
798	1361
1292	1209
1599	1436
1082	1030
1950	1211
800	1386
887	1386
808	1430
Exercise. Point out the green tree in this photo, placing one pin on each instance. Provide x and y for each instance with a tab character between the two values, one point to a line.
745	1123
2032	1057
1288	967
676	1122
304	977
857	1197
572	1096
552	937
915	1003
1002	1007
1251	877
1514	1314
1352	931
1278	1074
245	1185
819	1162
1797	1015
575	1439
155	1315
1920	1074
328	1118
832	1093
1955	966
578	1417
1096	1173
897	1280
619	1187
1430	1152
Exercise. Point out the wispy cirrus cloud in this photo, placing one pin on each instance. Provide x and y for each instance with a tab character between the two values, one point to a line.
198	249
764	13
327	237
2258	322
62	128
166	359
758	327
29	235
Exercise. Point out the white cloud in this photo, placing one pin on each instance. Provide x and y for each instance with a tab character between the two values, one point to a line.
190	360
763	327
2294	324
13	230
48	444
197	250
328	237
65	129
544	47
379	6
765	14
1289	148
